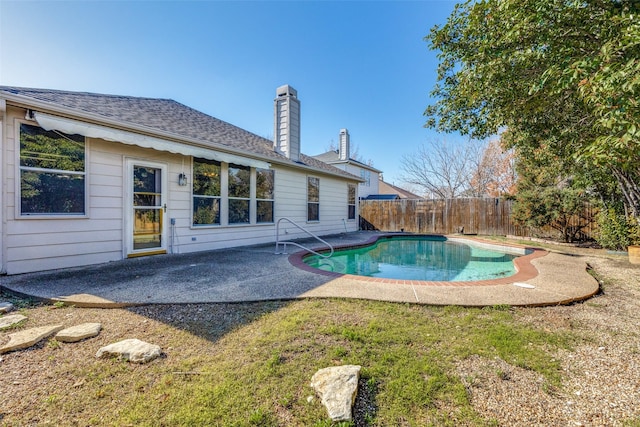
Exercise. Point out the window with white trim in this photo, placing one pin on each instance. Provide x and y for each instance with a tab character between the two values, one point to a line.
206	192
313	199
264	195
52	172
246	190
366	175
239	194
351	201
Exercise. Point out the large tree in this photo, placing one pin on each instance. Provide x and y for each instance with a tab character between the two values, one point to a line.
440	169
558	74
464	169
495	173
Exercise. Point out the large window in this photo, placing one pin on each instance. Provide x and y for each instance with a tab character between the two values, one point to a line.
264	195
52	172
206	192
229	194
239	194
313	199
351	201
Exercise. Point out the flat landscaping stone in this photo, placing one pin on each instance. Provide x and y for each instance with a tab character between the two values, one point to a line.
28	337
337	387
87	300
6	307
11	319
79	332
132	350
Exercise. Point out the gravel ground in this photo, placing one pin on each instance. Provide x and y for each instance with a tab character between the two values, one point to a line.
601	381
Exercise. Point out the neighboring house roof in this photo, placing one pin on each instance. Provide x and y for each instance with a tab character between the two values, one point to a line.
332	157
165	118
382	197
386	188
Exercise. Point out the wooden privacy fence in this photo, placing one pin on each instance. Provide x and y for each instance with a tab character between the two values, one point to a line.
488	216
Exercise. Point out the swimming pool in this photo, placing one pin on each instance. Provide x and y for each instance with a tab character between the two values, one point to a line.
423	258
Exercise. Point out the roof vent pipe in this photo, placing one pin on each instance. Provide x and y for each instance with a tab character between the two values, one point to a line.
286	133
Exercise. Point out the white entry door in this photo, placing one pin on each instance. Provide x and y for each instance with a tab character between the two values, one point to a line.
146	228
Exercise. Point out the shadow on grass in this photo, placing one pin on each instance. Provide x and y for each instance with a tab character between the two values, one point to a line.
210	321
365	407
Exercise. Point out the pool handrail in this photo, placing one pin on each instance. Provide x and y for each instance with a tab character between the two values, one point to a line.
289	242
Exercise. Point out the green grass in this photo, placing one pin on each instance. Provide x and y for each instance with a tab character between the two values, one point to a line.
259	374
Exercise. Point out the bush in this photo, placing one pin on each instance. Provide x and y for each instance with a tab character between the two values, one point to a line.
615	231
562	209
634	231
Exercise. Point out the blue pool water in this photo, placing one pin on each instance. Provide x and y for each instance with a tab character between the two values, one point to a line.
428	258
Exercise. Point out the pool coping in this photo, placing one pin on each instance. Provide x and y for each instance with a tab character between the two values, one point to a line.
525	270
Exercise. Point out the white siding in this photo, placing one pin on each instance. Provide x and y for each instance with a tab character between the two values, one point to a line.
3	179
365	189
291	202
34	244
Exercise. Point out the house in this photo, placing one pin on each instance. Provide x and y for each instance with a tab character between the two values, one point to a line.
90	178
382	197
392	190
341	159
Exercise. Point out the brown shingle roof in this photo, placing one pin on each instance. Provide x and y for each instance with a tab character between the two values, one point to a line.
386	188
168	117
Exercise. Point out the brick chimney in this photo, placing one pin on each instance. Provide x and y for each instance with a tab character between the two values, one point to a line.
286	133
344	146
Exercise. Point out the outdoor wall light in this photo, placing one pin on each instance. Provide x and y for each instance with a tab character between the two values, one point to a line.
182	179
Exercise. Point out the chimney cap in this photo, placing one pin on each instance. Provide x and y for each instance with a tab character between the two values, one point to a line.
285	90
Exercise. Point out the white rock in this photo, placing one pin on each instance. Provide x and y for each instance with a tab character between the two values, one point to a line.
6	307
10	320
132	350
79	332
337	387
28	337
523	285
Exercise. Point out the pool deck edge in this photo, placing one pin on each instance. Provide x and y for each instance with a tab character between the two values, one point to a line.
543	278
524	269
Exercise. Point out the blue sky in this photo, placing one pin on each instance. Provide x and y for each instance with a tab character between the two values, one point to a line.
360	65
